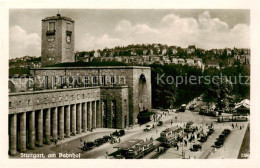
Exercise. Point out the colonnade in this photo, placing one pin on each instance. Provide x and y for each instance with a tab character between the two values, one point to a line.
35	128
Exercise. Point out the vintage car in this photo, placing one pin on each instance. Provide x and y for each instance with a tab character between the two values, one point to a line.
211	130
226	132
218	144
203	138
195	147
160	123
106	138
88	146
99	141
148	127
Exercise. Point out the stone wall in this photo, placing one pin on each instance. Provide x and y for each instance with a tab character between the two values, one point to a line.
120	96
55	49
139	92
35	100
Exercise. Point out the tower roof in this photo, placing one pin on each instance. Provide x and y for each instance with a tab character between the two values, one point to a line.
58	17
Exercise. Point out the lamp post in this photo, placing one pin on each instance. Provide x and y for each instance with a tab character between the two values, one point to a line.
183	155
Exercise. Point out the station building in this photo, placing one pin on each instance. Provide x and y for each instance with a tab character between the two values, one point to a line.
66	101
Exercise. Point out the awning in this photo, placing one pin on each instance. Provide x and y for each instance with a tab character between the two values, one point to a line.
243	104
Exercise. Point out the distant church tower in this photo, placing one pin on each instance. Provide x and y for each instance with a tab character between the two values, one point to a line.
57	40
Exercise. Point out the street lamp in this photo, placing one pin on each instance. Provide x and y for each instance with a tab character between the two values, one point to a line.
183	154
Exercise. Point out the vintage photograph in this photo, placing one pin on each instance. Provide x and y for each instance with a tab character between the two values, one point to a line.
129	84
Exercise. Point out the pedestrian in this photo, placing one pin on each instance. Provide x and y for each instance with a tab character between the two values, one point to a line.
232	125
119	140
171	121
236	125
240	127
177	147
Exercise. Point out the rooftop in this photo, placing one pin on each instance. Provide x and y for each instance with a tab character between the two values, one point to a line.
58	17
129	143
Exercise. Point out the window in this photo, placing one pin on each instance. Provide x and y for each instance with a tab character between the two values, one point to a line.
86	81
112	80
103	80
28	102
46	82
104	113
94	81
62	80
51	26
51	29
113	113
78	81
54	82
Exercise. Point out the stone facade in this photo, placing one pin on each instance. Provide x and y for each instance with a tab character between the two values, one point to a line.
57	44
39	117
139	91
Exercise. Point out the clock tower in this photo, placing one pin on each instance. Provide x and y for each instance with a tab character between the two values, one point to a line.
57	40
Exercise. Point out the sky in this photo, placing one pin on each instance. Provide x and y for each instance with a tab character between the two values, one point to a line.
100	28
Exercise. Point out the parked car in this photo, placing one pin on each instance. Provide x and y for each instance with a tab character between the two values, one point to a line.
88	146
148	127
211	130
121	132
221	137
192	107
106	138
226	132
203	138
218	144
183	108
98	142
195	147
160	123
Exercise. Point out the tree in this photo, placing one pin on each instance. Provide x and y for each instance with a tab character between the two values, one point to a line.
218	90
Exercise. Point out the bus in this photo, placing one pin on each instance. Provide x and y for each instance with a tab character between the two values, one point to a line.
135	148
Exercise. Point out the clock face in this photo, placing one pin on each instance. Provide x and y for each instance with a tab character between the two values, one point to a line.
68	39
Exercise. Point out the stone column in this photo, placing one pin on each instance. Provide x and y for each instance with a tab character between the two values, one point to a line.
47	131
93	114
89	118
73	119
13	133
31	139
99	116
61	122
78	120
39	137
67	121
22	143
84	116
54	124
